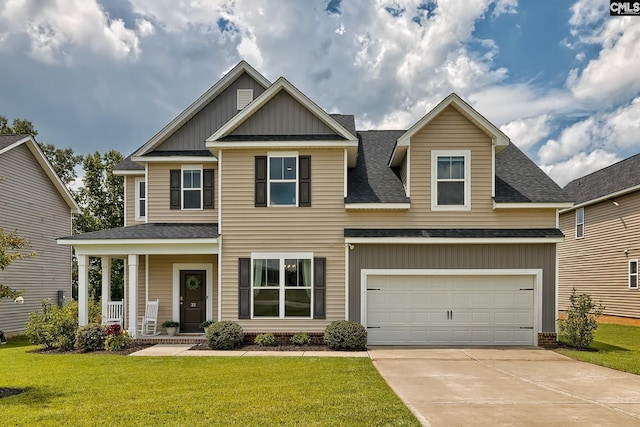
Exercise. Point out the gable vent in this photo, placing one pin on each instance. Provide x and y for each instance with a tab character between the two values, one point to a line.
245	96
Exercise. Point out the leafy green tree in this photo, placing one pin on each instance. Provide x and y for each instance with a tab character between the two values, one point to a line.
102	200
581	320
11	250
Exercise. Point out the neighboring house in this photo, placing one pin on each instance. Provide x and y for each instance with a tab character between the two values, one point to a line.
602	247
37	205
255	205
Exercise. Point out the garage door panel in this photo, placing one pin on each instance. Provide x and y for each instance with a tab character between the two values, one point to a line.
450	310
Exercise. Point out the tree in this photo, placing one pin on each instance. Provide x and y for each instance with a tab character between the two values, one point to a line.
63	160
102	200
581	320
11	250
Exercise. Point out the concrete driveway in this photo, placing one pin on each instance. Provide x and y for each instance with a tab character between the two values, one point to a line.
515	387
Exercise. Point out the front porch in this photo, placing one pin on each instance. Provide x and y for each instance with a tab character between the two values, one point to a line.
175	264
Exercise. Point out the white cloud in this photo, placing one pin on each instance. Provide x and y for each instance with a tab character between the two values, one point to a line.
56	27
505	6
525	133
579	165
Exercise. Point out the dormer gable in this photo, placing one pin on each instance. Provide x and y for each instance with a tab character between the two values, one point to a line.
284	117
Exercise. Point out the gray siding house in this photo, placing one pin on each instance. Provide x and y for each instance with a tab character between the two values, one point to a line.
37	205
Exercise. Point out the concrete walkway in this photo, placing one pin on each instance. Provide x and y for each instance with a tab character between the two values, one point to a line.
508	387
184	350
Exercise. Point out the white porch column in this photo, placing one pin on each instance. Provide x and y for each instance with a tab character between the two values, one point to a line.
83	290
133	294
105	262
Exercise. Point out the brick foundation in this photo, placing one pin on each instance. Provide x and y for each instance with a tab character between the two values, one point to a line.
547	339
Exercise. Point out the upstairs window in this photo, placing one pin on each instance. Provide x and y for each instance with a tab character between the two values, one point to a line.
141	199
283	180
451	180
633	274
192	188
579	223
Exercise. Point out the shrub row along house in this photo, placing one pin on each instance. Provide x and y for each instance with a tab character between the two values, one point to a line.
37	206
602	247
256	205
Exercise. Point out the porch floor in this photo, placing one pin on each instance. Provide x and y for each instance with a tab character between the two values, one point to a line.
176	339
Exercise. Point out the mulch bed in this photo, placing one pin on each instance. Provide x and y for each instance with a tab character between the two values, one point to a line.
124	352
6	391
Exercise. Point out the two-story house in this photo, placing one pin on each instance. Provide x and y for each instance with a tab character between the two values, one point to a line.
256	205
37	206
602	247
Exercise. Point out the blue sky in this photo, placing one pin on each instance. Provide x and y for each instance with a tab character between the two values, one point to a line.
559	77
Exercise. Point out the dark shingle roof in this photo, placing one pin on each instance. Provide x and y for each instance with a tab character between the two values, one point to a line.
128	164
7	140
372	180
152	231
347	121
519	180
612	179
453	232
167	153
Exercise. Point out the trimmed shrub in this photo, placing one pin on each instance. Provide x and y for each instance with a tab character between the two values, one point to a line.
206	324
90	337
265	340
300	338
224	335
580	322
345	335
53	327
117	342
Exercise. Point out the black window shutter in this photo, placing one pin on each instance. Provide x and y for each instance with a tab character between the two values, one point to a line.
207	186
261	181
174	188
319	288
244	288
304	181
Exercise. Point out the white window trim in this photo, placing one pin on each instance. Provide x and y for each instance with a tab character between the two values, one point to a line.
580	223
279	155
137	181
281	256
182	189
633	274
434	180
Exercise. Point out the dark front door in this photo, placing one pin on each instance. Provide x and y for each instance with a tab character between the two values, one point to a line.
192	300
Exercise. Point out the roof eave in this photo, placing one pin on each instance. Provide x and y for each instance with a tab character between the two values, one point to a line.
602	198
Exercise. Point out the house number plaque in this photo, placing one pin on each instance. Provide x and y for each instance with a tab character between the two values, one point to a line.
193	305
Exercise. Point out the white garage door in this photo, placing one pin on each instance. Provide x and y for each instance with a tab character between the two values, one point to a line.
450	309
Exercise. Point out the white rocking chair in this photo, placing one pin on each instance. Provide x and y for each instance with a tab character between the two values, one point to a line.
149	322
114	314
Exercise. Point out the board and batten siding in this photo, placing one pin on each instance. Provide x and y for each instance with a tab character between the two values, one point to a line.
283	115
158	210
318	229
597	263
476	256
192	135
33	207
450	130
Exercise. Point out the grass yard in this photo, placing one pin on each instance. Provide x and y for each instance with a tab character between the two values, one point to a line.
618	347
98	389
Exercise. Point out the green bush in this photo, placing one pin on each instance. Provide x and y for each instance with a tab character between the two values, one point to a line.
345	335
580	322
206	324
90	337
265	340
117	342
224	335
95	311
53	327
300	338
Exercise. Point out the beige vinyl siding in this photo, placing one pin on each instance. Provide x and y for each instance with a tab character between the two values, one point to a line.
597	263
161	281
192	135
32	206
452	131
317	229
158	197
130	202
283	115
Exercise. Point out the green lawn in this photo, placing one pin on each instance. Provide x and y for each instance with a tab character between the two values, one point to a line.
618	347
98	389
